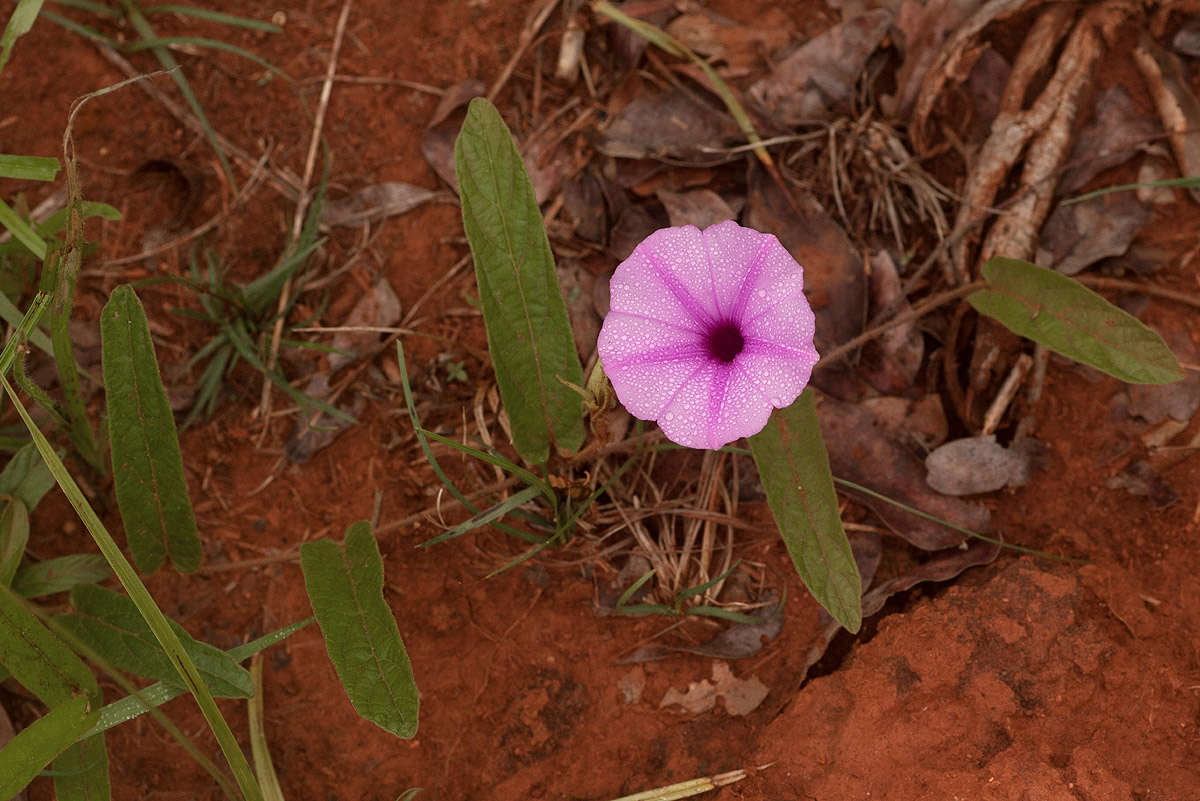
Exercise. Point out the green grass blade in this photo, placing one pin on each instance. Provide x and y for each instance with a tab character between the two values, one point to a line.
145	603
21	231
211	44
487	516
59	274
494	459
109	623
147	465
27	325
794	467
529	335
14	536
419	430
19	24
264	767
345	587
33	748
214	16
28	168
60	574
157	694
146	31
1070	319
91	7
81	772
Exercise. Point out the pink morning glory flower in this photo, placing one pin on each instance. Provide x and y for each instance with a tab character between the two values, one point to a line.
707	332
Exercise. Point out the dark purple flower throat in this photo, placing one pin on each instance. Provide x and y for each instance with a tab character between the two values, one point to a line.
725	342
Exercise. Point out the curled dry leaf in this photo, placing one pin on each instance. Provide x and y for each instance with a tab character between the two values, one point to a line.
437	145
740	47
974	465
699	207
951	64
741	696
1140	478
923	28
921	422
376	202
810	84
670	125
894	359
1116	133
1177	105
1081	234
377	308
861	451
1179	400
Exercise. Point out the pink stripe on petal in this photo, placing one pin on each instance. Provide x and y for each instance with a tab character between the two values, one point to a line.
779	377
777	275
789	323
682	264
648	391
637	288
736	256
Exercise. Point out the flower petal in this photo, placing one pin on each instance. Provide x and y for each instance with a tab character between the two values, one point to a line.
736	257
718	405
647	361
775	276
678	259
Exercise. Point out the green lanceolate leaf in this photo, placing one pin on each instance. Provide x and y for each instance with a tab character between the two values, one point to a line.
14	535
147	466
794	467
1070	319
60	574
26	476
345	587
30	751
529	335
37	659
81	772
110	623
28	168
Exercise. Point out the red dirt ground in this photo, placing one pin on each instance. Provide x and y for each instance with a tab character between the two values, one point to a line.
1026	679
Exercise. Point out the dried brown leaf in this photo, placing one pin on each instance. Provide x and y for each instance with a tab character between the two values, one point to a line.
810	84
862	452
376	202
700	207
1081	234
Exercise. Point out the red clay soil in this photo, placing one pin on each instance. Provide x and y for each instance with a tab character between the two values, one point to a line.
1027	679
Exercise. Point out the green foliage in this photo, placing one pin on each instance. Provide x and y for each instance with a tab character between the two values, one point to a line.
28	168
794	467
30	751
529	336
60	574
19	24
345	587
244	316
147	465
1070	319
109	623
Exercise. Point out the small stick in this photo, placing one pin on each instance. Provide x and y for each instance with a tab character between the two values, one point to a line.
991	420
527	35
285	293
